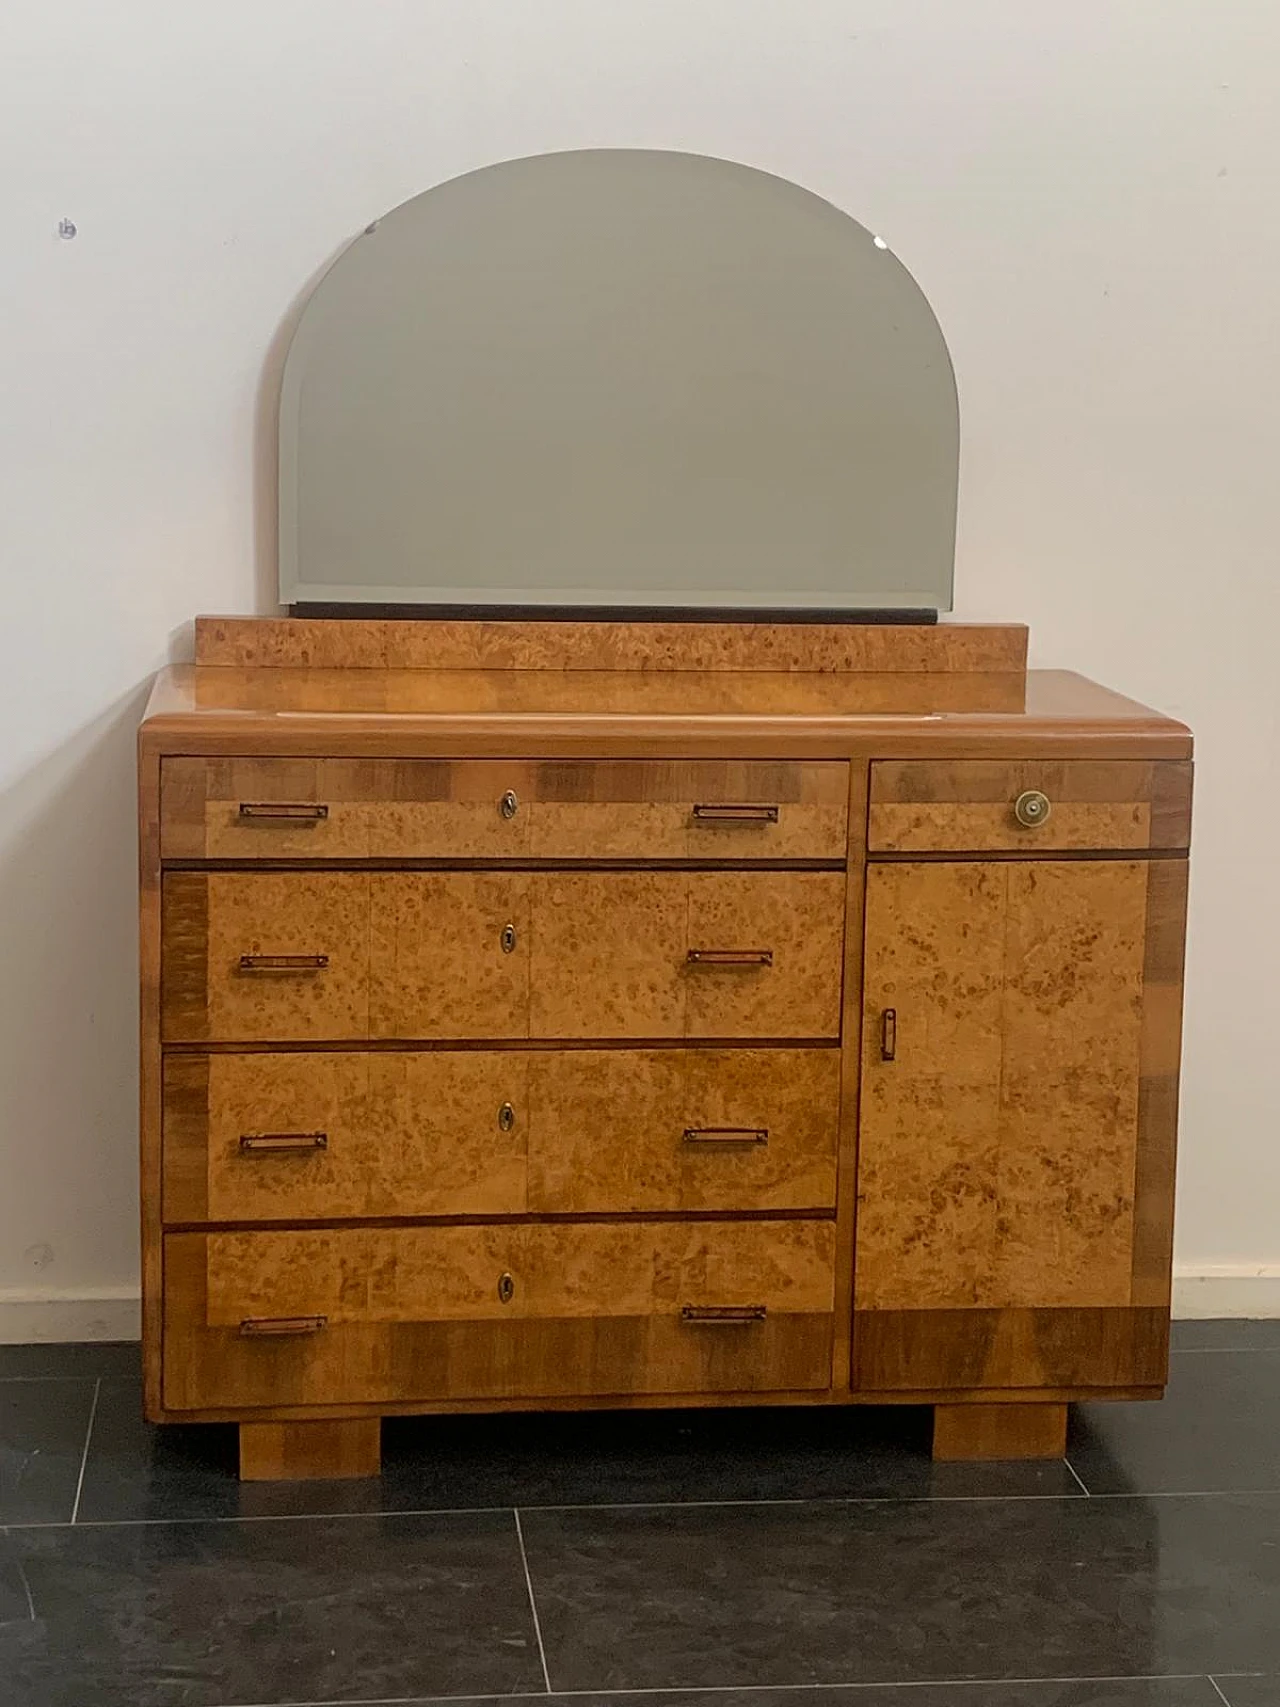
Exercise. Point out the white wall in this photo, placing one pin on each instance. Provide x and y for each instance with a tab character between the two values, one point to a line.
1087	193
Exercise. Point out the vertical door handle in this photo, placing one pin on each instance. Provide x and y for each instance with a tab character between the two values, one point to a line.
889	1034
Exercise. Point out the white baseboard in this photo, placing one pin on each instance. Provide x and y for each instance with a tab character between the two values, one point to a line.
28	1317
1245	1289
114	1312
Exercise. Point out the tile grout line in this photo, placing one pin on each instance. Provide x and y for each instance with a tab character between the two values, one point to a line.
533	1605
740	1689
815	1500
1070	1466
84	1459
1213	1684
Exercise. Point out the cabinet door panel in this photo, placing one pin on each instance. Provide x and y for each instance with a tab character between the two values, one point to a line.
999	1147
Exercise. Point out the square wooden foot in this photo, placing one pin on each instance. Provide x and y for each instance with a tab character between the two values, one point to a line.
999	1431
302	1451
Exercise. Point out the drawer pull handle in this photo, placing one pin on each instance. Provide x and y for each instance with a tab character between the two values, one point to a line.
730	957
295	811
723	1315
506	1288
889	1034
283	962
506	1117
509	805
709	814
726	1134
277	1143
1032	809
281	1327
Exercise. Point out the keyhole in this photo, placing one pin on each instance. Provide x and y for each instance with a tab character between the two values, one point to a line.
506	1289
508	939
506	1117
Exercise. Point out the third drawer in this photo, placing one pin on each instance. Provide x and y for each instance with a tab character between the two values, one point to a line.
302	1136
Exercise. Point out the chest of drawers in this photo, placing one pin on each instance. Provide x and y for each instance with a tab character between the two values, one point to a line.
680	1017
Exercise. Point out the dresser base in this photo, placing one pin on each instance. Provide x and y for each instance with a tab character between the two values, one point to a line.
999	1431
309	1451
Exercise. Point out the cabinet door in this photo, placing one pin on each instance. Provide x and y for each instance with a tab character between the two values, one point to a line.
1019	1085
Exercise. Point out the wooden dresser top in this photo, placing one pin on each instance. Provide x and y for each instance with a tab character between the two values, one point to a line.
605	688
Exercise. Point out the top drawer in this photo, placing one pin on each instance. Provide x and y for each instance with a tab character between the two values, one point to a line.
976	806
301	809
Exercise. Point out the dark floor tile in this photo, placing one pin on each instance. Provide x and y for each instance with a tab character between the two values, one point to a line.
1227	1333
435	1463
83	1361
695	1596
135	1470
200	1615
1215	1431
1250	1691
42	1433
1089	1692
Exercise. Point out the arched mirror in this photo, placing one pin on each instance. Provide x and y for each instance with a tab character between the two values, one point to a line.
619	378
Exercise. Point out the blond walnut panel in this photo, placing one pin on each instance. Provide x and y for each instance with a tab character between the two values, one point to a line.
998	1147
596	1311
425	1133
210	922
607	1129
403	1134
958	805
449	954
415	1274
302	809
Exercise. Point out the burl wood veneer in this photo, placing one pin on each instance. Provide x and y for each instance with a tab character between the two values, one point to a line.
564	1014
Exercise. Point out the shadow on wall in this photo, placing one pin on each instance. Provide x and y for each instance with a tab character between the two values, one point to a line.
68	1023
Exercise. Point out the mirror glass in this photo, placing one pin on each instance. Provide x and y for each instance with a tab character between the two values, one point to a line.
619	378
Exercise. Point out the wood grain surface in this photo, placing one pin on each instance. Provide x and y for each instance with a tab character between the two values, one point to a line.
921	805
415	1313
638	647
999	1147
389	809
414	1134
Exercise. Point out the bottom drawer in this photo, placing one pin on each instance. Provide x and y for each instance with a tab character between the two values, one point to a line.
364	1315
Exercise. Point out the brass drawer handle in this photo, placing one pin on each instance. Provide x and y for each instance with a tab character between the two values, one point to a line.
726	1134
283	962
281	1327
277	1143
723	1315
889	1035
1032	809
709	814
296	811
730	957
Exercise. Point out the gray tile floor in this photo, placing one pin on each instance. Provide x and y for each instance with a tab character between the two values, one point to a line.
743	1559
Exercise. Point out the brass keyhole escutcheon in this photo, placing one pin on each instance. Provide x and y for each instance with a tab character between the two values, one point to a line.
506	1289
508	939
1032	808
506	1117
509	805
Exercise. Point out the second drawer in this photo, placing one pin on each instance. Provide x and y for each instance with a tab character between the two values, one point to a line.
295	957
298	1137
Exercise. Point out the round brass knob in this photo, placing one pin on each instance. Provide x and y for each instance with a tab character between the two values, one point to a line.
506	1117
508	939
1032	808
506	1288
509	805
